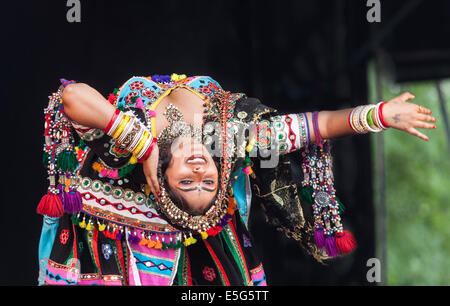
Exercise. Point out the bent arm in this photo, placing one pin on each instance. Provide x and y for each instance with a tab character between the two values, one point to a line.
86	106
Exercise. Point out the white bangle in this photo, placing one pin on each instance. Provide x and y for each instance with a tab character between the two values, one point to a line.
145	147
377	117
126	130
136	139
363	119
116	123
354	120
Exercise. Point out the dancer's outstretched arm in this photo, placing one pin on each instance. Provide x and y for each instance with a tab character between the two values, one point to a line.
292	132
397	113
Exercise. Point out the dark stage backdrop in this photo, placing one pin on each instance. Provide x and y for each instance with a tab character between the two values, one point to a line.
293	55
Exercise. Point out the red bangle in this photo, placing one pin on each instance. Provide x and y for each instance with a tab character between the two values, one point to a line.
149	150
380	113
349	123
113	118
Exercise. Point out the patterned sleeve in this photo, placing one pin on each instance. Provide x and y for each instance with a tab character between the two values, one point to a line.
290	132
275	179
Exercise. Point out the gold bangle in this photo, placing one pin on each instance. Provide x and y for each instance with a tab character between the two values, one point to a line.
141	143
121	127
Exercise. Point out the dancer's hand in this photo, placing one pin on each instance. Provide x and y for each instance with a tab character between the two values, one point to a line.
150	167
405	116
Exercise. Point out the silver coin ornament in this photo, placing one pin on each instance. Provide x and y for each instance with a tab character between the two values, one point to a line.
322	199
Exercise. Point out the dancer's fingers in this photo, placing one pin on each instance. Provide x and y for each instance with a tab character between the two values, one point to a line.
424	117
154	156
406	96
424	125
415	132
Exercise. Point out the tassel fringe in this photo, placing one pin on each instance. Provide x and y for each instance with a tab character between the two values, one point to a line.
345	242
50	205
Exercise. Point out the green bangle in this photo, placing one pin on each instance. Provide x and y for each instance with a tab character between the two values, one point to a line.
369	118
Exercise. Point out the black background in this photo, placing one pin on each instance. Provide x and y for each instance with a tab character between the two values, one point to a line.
293	55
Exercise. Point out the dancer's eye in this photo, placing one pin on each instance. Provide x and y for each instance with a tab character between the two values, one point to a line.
185	182
208	182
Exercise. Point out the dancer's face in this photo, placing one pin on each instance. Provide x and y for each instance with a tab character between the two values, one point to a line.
193	174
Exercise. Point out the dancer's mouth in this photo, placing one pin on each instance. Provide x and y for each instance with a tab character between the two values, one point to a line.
196	159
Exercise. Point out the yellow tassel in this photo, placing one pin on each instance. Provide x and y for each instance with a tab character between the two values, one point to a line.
82	224
133	159
193	240
101	227
143	241
147	190
204	235
251	170
250	145
89	227
187	242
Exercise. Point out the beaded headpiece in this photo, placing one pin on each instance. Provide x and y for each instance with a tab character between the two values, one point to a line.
176	128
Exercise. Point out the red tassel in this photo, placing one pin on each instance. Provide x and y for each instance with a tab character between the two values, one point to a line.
210	231
50	205
345	242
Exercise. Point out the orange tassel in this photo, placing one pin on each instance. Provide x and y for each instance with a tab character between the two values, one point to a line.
143	241
151	243
158	245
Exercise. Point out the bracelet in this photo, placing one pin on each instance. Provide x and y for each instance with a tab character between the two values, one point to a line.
121	127
126	130
381	115
130	134
307	129
111	122
116	123
136	139
141	143
364	121
377	117
354	120
315	118
149	150
302	130
144	149
369	117
128	138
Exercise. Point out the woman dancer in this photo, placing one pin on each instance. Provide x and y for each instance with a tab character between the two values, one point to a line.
158	190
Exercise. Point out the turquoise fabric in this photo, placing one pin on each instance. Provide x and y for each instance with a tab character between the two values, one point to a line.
239	193
48	233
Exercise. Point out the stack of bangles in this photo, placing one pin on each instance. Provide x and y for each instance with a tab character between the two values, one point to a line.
361	120
131	135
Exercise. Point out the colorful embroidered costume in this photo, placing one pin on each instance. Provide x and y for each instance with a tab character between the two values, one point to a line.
109	229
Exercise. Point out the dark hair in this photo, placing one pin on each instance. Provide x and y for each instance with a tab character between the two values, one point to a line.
165	157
